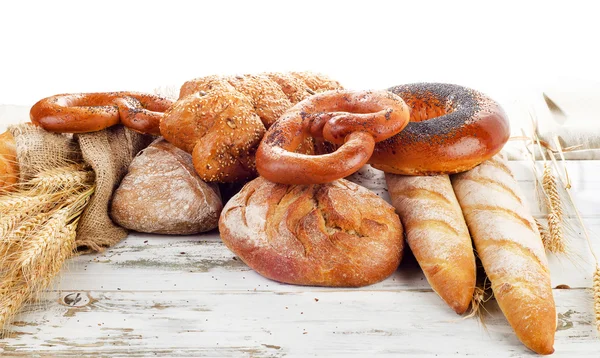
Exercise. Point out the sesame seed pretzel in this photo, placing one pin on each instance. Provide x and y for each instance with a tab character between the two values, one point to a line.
355	120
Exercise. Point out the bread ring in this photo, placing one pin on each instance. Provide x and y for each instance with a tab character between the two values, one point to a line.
452	129
90	112
356	120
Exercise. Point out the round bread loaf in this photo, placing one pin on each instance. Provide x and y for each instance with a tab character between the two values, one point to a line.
335	234
162	194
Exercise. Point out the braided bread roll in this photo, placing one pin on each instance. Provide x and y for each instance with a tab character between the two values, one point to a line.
508	242
437	235
221	120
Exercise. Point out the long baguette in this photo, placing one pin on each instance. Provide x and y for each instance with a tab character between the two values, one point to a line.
510	248
437	235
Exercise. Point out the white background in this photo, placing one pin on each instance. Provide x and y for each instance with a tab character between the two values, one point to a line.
79	46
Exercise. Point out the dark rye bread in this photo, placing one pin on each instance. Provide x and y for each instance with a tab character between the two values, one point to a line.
335	234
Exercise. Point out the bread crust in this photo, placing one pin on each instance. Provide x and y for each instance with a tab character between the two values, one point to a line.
221	119
335	234
9	167
510	248
162	194
437	235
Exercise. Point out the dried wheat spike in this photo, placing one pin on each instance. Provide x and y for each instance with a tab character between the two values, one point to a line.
9	240
543	233
555	243
597	296
64	178
14	293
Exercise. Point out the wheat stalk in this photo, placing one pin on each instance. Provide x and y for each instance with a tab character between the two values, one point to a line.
63	178
37	233
14	238
543	233
13	294
555	242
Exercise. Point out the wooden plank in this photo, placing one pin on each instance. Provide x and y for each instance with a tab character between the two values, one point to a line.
204	263
326	322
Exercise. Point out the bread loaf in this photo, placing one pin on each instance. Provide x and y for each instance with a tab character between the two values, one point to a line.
335	234
508	242
9	168
437	235
162	194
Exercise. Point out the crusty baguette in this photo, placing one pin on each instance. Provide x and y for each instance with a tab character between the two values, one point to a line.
510	248
437	235
9	168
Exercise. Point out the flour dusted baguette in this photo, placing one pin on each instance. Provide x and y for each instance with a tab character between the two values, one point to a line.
508	242
437	235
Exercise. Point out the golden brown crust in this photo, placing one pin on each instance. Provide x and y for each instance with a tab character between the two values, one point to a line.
510	248
437	235
316	81
336	234
9	167
220	129
220	120
89	112
355	120
452	129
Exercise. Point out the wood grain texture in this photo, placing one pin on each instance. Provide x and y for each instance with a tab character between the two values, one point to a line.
187	296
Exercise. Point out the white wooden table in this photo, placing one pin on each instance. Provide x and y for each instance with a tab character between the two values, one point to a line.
190	296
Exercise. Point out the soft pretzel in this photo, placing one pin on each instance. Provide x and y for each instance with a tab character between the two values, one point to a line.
452	129
221	120
354	120
90	112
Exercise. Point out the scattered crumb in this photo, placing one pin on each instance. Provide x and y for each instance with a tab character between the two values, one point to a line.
316	299
563	287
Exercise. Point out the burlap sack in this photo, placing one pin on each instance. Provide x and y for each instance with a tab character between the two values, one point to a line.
108	152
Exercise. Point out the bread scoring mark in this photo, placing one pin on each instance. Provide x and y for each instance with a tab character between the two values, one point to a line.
508	243
422	193
433	224
488	181
498	210
496	163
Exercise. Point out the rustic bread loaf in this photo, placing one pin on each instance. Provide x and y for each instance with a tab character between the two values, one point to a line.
9	168
510	248
437	235
335	234
162	194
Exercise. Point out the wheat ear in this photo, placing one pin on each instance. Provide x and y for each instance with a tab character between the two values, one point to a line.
555	242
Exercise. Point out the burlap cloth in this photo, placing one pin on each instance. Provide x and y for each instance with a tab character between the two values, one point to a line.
108	152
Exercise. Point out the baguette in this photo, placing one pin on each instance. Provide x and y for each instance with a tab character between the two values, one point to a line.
508	243
437	234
